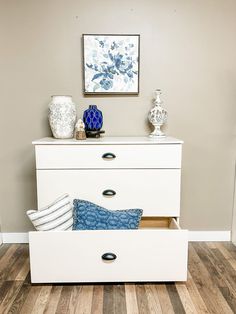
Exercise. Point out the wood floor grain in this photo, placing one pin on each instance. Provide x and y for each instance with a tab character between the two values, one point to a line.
210	288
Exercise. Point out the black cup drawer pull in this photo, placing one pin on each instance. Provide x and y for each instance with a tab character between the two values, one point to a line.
109	193
108	156
109	257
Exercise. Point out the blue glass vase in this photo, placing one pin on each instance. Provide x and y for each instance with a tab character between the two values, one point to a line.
93	118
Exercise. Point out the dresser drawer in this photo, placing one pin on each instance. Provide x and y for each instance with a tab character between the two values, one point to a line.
152	254
156	191
108	156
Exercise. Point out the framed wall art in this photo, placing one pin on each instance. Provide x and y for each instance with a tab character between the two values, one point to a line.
111	64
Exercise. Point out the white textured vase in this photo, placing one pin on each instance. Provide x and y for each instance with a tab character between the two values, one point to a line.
62	116
157	116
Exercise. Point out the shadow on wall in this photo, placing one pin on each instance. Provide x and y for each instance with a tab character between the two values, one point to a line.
26	179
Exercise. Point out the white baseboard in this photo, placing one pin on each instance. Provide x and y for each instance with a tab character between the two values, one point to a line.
11	237
22	237
209	236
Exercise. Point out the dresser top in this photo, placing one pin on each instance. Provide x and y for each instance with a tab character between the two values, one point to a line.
108	140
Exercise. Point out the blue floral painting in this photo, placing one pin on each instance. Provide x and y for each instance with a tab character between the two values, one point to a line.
111	64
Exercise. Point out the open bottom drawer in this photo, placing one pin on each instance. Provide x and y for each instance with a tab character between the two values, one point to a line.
155	252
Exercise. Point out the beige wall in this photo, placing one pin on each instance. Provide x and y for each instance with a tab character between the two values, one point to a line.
188	49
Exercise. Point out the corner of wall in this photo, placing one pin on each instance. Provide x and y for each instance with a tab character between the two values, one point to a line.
234	210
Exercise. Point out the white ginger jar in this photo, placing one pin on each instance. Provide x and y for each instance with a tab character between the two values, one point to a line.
62	116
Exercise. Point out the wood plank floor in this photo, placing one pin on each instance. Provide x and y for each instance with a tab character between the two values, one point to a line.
211	287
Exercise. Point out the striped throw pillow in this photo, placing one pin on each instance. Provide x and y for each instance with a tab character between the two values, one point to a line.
57	216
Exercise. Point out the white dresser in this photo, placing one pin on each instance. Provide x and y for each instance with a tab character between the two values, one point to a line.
117	173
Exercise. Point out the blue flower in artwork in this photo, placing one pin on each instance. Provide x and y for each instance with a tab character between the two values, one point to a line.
111	69
114	45
89	65
123	65
106	84
101	43
130	74
117	60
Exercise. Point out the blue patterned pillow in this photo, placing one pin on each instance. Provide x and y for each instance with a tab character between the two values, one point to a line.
89	216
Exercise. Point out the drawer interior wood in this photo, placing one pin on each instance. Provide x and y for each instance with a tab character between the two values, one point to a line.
158	222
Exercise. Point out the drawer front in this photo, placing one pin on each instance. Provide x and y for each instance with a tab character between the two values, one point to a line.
76	256
108	156
156	191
